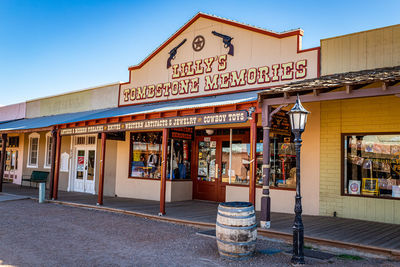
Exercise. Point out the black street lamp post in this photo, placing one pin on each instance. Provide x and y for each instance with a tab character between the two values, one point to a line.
298	119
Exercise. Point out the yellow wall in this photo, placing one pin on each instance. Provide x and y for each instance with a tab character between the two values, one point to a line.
378	114
361	51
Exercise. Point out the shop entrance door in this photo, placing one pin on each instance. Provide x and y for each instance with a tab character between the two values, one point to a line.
11	168
85	162
212	168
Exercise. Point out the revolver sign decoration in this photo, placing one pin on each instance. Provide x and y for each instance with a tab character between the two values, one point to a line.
172	53
226	40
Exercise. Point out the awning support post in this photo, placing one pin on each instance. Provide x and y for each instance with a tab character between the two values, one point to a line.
57	166
253	159
101	174
163	171
265	220
53	162
3	159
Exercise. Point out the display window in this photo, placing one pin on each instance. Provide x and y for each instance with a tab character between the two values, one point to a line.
145	155
371	165
178	165
235	162
282	160
236	159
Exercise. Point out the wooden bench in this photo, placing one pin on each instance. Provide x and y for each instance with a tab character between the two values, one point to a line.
35	177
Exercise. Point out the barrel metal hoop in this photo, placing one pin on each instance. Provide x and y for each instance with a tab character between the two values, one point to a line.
236	254
236	258
238	227
236	217
236	210
237	243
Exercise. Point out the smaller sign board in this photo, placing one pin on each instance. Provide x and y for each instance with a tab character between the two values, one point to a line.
173	122
280	123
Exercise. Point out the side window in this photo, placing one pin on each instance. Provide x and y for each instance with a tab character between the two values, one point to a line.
49	142
33	151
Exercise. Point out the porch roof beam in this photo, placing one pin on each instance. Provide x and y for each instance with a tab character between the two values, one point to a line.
369	92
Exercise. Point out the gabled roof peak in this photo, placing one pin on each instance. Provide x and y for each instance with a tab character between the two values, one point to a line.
222	20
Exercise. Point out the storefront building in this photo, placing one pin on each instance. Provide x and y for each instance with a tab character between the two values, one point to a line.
187	125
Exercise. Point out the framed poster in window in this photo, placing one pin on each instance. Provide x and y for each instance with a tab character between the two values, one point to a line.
370	186
354	187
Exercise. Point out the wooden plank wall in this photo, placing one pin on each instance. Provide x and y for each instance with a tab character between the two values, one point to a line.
371	49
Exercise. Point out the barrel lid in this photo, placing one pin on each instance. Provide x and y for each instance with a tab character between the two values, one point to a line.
236	204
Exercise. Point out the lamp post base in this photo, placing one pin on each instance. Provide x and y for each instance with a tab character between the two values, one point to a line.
298	246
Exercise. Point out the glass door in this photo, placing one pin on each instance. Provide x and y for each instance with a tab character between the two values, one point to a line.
85	166
79	184
208	163
11	165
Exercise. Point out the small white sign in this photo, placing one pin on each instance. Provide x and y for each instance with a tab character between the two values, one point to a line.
64	162
396	191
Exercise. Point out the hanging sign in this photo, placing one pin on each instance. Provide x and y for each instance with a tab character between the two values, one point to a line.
173	122
185	133
280	123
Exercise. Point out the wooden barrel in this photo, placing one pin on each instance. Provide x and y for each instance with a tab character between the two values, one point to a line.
236	230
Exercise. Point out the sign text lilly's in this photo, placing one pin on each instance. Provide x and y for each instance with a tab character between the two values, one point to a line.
260	61
190	85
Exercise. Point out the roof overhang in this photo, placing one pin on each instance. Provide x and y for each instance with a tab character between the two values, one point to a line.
366	83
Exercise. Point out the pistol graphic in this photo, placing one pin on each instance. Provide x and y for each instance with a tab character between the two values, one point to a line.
227	41
172	53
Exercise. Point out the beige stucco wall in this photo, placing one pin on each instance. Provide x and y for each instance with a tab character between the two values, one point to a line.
360	51
27	170
23	158
179	191
109	167
64	176
88	99
377	114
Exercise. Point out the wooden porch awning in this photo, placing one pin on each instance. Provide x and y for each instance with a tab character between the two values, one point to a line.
350	81
113	118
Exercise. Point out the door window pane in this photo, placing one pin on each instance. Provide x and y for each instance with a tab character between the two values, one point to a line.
90	165
240	162
207	161
80	164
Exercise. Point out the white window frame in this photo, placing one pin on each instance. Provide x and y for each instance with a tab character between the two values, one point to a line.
47	150
29	165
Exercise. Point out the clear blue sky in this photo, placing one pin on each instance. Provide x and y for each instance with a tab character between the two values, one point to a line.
49	47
